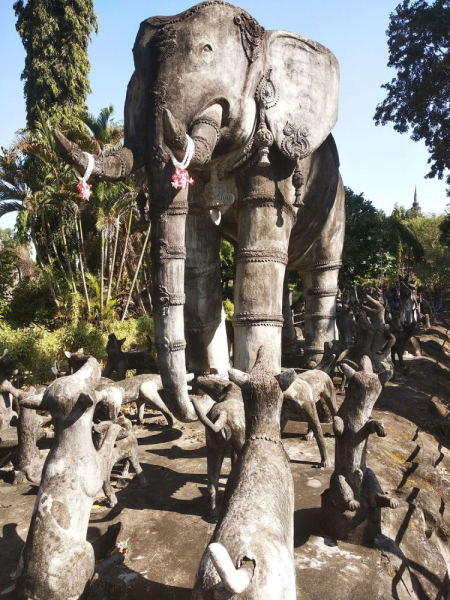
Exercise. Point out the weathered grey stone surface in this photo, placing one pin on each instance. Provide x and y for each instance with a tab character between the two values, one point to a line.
125	449
7	390
251	550
351	506
142	389
222	414
259	106
299	402
56	561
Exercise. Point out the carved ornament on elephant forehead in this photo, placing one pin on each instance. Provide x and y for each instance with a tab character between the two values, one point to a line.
166	41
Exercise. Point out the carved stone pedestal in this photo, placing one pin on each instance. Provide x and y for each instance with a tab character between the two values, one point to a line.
357	527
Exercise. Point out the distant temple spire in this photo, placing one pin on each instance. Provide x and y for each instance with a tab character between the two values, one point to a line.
416	205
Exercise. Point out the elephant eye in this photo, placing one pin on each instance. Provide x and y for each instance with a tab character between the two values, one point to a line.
207	48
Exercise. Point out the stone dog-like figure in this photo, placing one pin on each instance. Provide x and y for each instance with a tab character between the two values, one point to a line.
251	550
354	487
254	109
57	562
222	413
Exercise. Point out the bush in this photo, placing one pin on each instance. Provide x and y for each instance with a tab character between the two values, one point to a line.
38	349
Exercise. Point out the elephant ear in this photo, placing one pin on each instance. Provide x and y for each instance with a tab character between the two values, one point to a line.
301	87
138	91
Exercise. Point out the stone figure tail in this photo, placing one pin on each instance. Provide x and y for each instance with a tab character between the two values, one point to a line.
235	580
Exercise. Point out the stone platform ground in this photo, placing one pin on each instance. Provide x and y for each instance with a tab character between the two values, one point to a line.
165	527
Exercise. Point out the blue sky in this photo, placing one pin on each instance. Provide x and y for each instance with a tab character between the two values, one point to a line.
375	160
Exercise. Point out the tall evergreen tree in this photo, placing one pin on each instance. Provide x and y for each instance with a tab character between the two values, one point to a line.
55	34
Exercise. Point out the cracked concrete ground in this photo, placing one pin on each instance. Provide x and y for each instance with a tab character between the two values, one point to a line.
165	527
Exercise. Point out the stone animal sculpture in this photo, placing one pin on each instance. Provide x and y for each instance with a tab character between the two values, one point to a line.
251	550
401	339
57	562
354	487
259	107
408	300
142	389
299	403
120	361
75	361
27	461
7	390
373	338
125	448
222	413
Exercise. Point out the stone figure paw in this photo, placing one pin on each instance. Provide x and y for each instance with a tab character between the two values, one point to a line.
338	426
378	428
310	436
326	463
353	505
112	500
393	503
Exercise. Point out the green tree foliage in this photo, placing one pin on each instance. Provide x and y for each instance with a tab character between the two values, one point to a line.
419	96
55	35
433	270
376	246
7	260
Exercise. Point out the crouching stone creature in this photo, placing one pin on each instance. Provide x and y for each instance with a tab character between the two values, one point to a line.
251	551
351	506
125	448
57	562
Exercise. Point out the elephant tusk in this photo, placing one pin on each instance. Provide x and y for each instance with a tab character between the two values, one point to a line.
216	216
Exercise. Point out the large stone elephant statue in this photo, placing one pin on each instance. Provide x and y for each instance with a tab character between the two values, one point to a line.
259	106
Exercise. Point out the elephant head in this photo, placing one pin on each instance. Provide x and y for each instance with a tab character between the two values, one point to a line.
212	72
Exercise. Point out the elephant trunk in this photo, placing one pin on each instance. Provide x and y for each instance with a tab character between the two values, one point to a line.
168	210
115	166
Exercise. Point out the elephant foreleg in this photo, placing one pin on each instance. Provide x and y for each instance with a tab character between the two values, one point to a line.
320	283
207	345
264	225
289	342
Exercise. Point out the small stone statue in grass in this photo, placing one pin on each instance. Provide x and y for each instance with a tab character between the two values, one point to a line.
351	506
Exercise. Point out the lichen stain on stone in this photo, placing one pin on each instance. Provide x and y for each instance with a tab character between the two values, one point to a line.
61	514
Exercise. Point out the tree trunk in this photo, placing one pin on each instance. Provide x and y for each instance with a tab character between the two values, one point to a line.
83	278
66	252
102	271
147	235
111	273
41	265
125	248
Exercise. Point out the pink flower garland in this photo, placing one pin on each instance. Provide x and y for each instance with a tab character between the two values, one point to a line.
83	187
181	178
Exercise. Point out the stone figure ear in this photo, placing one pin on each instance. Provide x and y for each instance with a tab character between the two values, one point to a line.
67	353
348	371
33	401
286	379
300	91
238	377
